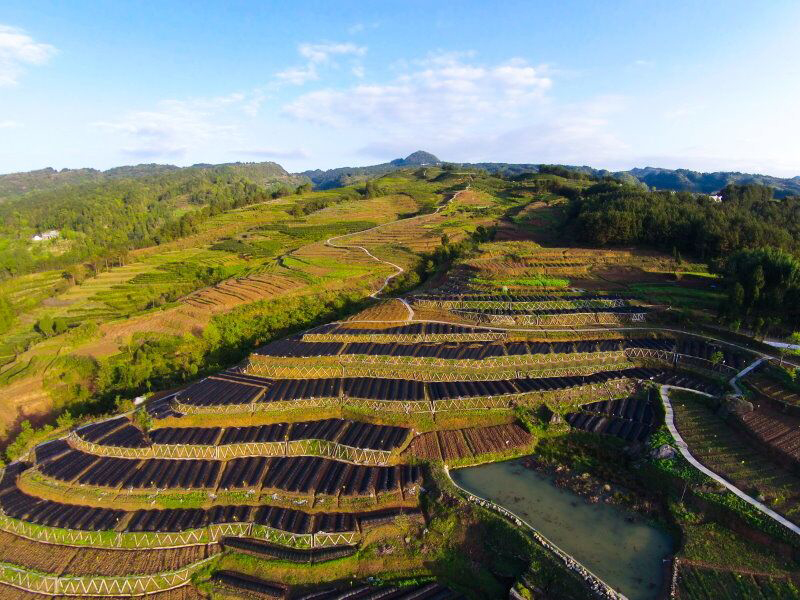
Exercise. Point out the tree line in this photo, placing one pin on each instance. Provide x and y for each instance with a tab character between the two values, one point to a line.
744	234
610	213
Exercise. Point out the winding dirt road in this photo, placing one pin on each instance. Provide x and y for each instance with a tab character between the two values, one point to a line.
398	269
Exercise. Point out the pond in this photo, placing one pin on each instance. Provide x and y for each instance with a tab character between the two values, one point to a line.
616	545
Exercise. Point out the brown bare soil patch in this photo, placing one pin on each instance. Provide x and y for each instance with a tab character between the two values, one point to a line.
385	310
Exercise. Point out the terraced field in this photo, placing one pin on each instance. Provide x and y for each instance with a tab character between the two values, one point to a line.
309	462
242	454
727	452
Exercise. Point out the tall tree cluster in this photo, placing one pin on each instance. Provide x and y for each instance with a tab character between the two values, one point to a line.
610	213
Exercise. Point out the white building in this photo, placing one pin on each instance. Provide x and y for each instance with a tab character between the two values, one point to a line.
47	235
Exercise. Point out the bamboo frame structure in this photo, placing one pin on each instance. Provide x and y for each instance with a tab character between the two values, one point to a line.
307	447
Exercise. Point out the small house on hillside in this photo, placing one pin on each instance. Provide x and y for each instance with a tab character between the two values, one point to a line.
47	235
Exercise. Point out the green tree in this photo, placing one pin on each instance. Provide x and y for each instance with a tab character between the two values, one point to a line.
45	325
7	314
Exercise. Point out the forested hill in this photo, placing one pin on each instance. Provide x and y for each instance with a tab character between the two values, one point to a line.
679	180
14	185
707	183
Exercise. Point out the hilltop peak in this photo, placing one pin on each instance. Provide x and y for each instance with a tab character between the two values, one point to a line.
418	158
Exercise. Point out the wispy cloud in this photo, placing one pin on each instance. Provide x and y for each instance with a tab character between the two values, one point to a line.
321	55
362	27
451	103
175	126
298	75
682	111
8	124
18	50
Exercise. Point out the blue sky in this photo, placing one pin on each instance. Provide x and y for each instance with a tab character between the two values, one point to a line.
701	85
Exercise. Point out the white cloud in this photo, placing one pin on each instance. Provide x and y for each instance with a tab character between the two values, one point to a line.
461	109
8	124
19	50
298	75
176	126
683	111
318	56
322	53
442	93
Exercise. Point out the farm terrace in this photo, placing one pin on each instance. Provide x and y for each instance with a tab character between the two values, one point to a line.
376	388
342	431
299	348
241	583
628	418
25	507
296	474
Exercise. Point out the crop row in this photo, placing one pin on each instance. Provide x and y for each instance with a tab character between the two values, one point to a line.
778	431
267	550
699	583
296	474
387	389
59	560
630	431
30	509
298	348
342	431
247	585
451	445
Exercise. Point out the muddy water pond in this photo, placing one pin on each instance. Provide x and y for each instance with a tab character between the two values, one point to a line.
616	545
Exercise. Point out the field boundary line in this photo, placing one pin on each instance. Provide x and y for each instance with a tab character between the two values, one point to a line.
683	447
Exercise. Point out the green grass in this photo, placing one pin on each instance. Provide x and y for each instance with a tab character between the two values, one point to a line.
696	583
677	296
533	281
712	544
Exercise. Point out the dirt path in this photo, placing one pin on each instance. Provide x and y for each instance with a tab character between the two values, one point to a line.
398	269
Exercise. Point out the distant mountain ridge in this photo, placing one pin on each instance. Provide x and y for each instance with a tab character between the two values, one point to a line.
342	176
18	184
707	183
654	177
